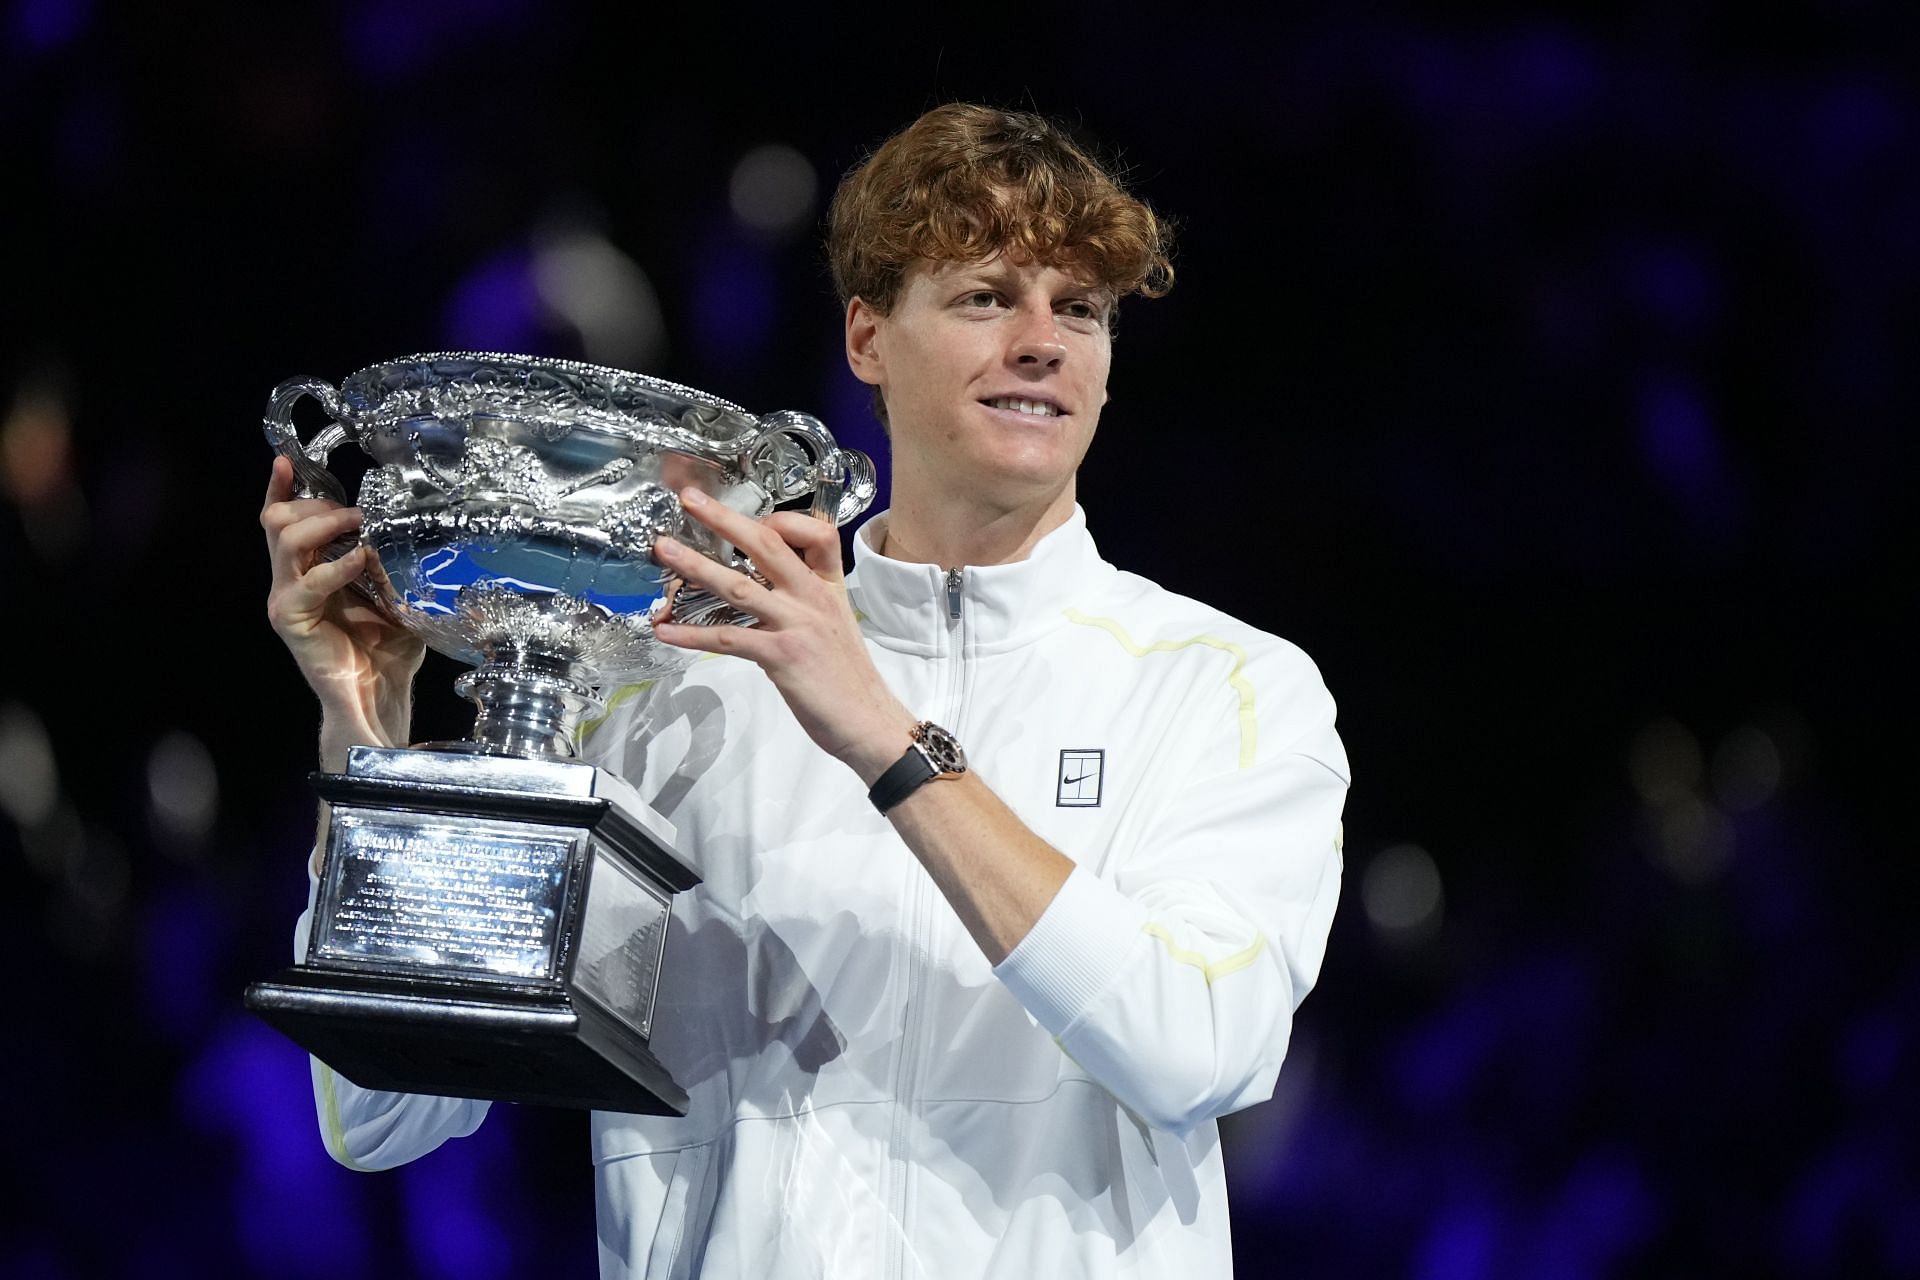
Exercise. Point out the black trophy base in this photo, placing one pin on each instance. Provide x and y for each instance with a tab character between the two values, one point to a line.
413	1036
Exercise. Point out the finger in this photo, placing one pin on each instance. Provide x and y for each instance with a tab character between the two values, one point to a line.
769	553
739	642
279	480
736	588
276	516
298	605
817	541
303	537
329	576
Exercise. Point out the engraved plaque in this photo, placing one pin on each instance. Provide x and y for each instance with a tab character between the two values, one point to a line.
477	896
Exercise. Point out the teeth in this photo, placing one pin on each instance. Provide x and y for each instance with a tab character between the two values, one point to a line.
1037	408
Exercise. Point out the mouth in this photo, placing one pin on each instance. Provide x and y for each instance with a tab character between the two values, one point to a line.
1031	407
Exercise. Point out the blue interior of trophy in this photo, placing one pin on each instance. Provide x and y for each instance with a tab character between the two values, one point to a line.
432	583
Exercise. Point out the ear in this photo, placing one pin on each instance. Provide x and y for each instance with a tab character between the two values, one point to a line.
863	331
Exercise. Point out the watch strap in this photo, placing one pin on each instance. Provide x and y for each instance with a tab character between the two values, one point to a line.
902	778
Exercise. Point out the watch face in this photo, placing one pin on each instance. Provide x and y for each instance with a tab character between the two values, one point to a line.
940	747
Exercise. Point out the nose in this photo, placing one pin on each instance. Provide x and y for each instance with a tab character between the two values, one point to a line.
1037	344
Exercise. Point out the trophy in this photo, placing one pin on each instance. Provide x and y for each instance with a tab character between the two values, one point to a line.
491	918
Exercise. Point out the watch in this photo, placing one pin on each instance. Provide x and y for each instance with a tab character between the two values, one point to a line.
934	754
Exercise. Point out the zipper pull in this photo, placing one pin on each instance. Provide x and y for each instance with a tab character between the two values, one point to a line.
953	594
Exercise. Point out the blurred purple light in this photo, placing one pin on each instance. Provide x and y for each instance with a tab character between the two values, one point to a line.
1673	284
1855	1186
734	308
496	307
254	1086
34	1260
1557	76
1463	1243
90	134
459	1224
184	932
1604	1211
1855	125
1870	1053
1678	441
1439	1061
47	25
389	39
1484	94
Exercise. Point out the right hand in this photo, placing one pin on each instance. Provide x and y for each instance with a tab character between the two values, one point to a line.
360	664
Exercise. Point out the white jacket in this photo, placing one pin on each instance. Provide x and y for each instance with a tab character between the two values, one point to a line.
869	1096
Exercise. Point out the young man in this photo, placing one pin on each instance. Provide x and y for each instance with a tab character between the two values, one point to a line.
973	1009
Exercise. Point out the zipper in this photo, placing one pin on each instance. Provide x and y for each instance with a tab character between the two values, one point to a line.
920	916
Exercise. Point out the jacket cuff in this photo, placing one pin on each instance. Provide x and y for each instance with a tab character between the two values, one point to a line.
1074	951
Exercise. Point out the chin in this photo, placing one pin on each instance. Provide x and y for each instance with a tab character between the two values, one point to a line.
1020	481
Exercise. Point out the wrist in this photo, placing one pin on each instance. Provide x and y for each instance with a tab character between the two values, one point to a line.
339	734
875	751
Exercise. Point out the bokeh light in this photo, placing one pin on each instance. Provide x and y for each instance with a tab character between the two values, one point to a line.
1402	895
183	790
772	189
29	779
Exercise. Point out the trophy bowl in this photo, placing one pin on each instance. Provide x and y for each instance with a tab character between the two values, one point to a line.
513	501
491	915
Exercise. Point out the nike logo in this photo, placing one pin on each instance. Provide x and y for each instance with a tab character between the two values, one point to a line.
1080	790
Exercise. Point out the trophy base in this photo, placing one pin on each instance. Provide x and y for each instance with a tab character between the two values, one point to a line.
486	927
411	1036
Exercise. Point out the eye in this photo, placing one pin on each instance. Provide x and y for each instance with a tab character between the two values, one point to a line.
980	299
1081	309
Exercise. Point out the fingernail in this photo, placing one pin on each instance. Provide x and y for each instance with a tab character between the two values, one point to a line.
692	497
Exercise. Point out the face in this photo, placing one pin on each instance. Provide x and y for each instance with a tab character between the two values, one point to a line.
994	375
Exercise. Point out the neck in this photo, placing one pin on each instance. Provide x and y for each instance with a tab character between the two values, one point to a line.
954	530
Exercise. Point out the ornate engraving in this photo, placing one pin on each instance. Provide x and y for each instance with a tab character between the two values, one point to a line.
633	523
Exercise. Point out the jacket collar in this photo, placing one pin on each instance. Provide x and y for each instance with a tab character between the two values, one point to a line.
905	606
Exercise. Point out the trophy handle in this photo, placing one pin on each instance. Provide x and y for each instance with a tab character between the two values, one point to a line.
852	489
794	454
311	478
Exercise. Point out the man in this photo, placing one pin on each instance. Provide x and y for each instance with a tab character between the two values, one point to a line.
936	1017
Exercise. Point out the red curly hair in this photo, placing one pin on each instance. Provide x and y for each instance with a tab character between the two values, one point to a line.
965	182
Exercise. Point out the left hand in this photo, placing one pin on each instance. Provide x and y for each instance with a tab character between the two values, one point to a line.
808	641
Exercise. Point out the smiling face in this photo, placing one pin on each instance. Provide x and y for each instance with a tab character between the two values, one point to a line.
994	374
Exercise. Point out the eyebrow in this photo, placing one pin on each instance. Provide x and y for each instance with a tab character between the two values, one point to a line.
1001	274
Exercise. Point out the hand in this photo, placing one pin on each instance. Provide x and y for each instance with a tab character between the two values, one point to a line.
808	641
359	664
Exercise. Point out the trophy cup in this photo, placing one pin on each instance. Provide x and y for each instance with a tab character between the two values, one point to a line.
491	918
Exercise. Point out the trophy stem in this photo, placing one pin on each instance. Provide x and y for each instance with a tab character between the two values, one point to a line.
530	705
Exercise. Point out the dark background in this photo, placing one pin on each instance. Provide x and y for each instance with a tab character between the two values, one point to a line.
1547	373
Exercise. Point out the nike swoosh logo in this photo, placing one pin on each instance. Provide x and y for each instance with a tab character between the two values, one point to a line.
1070	781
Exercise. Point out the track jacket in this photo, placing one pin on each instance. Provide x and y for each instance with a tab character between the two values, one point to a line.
869	1096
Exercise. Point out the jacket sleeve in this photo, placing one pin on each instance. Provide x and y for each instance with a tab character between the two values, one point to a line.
370	1129
1172	975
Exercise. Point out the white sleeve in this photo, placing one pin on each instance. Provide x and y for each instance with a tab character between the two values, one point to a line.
371	1129
1173	976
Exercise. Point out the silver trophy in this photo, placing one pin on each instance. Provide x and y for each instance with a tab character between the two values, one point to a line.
492	913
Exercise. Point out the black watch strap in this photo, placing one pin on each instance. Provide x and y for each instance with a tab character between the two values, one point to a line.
934	754
902	778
